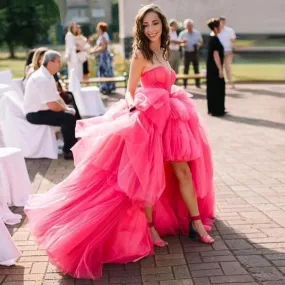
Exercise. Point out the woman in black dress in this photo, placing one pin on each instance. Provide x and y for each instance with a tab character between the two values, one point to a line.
215	77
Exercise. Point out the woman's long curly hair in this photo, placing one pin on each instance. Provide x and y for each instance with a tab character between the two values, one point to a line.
141	42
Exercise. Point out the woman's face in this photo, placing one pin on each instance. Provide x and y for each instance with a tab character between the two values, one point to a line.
74	28
174	27
78	30
40	61
152	26
99	31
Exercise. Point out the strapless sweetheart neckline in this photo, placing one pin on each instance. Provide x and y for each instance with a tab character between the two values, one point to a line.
156	67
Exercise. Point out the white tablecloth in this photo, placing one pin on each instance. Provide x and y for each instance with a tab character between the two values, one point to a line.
93	102
8	251
15	185
88	99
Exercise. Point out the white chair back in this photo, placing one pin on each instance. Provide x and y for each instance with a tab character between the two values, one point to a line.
4	88
19	87
2	143
6	77
11	105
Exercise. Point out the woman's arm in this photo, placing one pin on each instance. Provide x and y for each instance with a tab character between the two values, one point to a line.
138	63
218	63
69	46
102	47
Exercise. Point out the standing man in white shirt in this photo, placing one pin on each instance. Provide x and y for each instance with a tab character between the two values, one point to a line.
192	42
44	106
174	46
227	37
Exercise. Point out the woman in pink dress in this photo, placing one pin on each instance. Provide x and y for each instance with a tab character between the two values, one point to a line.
142	171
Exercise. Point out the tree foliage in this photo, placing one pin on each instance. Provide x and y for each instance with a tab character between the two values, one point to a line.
26	22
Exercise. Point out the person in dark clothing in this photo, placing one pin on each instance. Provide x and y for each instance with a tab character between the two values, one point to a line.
215	76
192	43
29	61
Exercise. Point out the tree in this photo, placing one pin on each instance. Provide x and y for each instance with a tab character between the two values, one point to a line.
114	27
25	22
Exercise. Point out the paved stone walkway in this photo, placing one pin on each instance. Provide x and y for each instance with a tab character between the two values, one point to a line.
249	157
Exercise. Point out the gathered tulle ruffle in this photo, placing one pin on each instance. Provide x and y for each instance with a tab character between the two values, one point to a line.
128	144
183	121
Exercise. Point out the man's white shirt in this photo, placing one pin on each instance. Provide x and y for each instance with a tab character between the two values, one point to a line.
226	36
40	90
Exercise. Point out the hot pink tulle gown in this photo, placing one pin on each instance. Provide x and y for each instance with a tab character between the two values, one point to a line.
96	215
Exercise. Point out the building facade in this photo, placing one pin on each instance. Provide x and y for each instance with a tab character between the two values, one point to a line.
86	13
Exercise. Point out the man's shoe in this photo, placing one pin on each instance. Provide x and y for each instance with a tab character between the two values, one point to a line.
68	155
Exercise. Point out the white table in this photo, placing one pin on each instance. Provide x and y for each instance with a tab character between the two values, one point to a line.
93	102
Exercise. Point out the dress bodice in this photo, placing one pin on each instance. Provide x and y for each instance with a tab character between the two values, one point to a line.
159	77
100	39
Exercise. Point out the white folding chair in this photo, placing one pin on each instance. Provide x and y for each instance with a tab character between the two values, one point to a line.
35	141
6	78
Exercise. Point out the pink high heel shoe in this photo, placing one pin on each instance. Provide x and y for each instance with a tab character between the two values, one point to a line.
158	241
207	239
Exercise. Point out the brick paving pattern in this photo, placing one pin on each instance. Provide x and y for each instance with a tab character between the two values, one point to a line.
249	157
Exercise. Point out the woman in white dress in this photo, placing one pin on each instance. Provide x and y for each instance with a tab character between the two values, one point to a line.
71	56
82	48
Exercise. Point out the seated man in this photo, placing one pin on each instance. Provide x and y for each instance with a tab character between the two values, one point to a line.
44	106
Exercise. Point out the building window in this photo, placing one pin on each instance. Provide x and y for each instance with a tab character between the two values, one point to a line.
82	12
98	13
78	12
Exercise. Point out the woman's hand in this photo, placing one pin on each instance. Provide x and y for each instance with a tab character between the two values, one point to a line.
221	73
70	110
93	50
132	108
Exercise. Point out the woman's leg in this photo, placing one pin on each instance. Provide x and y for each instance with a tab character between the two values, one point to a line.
86	77
184	176
86	70
155	236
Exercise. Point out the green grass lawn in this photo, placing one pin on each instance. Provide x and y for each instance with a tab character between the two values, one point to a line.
16	65
259	72
243	70
260	43
254	71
